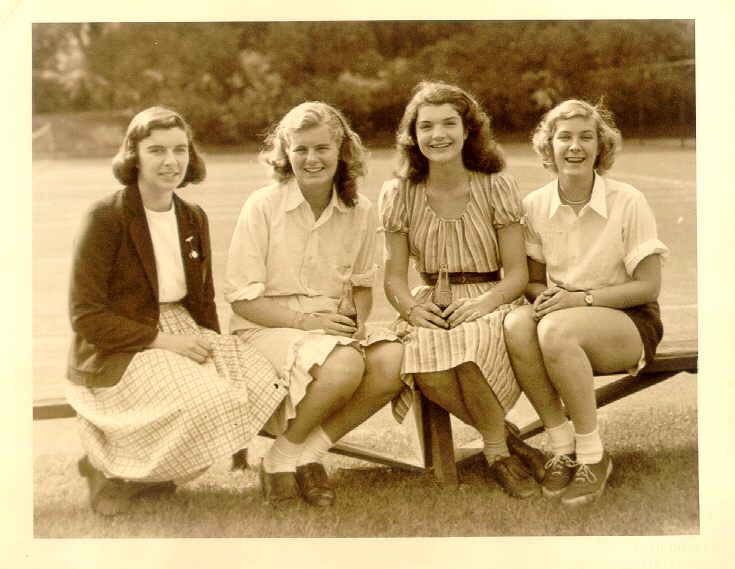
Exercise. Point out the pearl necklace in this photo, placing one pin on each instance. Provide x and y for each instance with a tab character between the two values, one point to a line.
580	202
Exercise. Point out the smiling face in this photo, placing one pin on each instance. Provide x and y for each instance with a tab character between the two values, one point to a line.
163	157
314	156
440	133
575	146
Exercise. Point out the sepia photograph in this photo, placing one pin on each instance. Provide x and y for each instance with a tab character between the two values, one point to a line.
411	281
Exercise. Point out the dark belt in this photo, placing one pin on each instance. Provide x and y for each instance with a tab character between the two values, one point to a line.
462	278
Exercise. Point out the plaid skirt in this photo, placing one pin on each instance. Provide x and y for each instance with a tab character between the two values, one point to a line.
481	341
170	417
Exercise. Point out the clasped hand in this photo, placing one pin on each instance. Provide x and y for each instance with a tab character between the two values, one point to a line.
429	315
552	299
196	348
335	324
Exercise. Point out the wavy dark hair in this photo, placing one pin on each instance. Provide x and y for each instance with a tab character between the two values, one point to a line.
480	152
352	163
609	139
125	162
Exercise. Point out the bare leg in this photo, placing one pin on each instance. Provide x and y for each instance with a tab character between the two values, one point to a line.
442	387
335	382
521	340
487	414
380	384
575	342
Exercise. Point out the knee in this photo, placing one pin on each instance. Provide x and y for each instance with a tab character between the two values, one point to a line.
519	329
435	382
342	370
384	371
556	334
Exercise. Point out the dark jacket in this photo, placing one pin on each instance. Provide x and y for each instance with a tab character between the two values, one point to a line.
113	298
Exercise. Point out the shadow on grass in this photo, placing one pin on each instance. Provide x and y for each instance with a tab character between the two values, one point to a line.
649	493
653	490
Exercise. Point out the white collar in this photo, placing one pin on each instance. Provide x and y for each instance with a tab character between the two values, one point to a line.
597	202
295	198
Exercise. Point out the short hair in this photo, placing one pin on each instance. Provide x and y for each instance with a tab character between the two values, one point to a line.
352	162
125	162
480	151
608	136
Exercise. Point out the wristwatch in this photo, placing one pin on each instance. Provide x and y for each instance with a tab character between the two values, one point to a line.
588	298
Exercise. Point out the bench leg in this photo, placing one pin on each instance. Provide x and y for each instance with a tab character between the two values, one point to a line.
438	442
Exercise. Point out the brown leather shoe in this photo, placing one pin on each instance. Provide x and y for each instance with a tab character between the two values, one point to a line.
278	488
113	496
512	475
240	460
314	484
532	458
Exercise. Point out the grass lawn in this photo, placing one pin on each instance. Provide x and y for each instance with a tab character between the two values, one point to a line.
652	436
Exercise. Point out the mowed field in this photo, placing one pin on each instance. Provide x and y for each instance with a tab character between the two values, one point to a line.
64	189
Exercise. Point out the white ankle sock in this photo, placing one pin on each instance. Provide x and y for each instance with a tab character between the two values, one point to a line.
561	438
589	447
316	446
493	449
282	455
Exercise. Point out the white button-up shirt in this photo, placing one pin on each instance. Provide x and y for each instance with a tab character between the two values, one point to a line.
280	251
599	247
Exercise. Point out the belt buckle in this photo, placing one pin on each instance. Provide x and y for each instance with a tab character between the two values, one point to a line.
462	278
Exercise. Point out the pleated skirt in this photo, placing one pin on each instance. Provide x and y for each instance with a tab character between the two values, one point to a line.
293	352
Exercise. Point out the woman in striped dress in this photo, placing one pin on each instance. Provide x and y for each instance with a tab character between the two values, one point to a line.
450	205
160	394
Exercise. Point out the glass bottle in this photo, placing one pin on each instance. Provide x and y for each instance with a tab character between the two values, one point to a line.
346	305
442	295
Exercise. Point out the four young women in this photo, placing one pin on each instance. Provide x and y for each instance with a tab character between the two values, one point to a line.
161	395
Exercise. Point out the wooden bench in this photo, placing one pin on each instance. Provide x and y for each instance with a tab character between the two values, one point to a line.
434	426
672	359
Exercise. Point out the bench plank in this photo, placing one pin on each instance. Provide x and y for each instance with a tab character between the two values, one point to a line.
434	423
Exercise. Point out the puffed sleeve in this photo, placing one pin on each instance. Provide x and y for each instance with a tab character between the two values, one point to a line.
640	238
392	207
245	275
529	222
506	200
365	268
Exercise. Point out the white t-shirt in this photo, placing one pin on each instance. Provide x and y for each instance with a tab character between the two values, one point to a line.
167	250
601	246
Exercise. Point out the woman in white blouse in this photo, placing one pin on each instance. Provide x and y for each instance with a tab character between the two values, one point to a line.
594	276
296	242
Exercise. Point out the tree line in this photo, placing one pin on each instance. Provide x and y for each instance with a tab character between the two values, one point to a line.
233	80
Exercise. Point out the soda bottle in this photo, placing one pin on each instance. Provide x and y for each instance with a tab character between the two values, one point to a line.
442	295
347	303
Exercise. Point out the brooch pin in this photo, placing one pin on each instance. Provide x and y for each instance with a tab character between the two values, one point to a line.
193	253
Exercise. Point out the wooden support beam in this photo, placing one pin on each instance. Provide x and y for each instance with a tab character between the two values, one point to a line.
434	423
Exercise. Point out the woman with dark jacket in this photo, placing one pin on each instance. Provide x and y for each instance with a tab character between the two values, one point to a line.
160	394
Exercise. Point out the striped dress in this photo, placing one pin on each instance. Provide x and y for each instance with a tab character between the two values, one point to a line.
468	243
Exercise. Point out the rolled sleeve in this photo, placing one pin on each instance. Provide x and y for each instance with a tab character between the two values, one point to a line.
245	275
531	238
650	247
640	238
365	268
